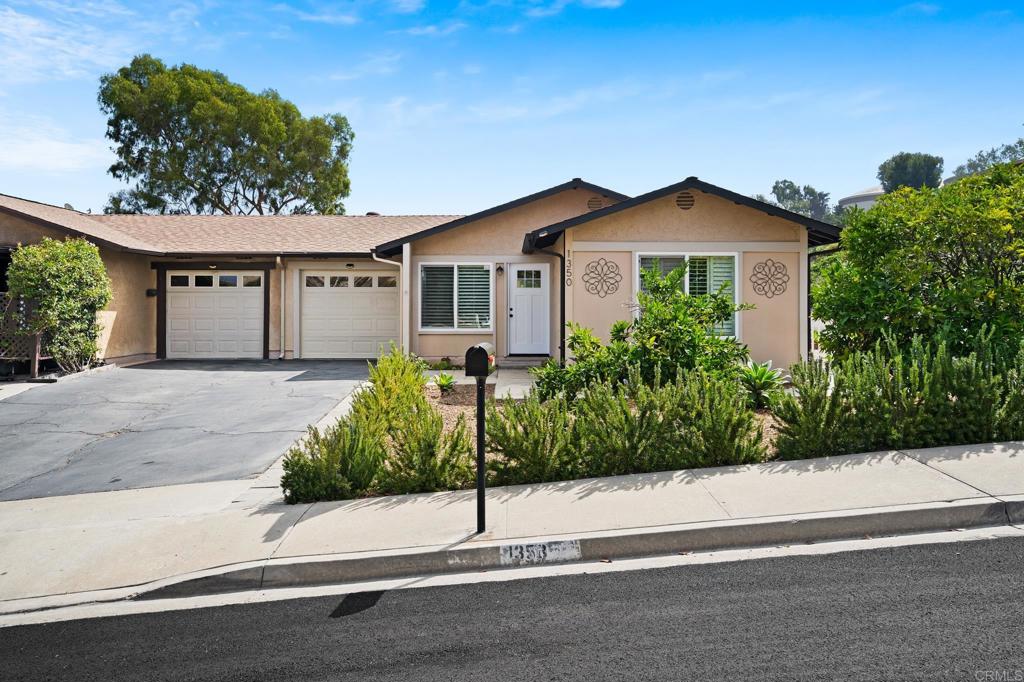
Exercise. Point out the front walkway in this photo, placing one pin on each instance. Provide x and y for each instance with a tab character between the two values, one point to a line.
93	542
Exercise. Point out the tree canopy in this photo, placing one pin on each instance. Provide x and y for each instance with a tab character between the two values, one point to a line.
914	170
929	261
985	159
804	200
191	141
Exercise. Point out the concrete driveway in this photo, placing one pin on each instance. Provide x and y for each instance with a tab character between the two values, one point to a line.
163	423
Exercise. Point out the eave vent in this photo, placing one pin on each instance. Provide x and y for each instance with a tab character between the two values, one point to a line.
595	203
684	200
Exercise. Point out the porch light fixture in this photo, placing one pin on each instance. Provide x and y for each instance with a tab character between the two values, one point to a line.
500	270
349	266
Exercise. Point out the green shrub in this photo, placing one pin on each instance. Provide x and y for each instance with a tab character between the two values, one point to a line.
625	429
900	398
812	421
533	441
715	423
762	383
395	391
67	285
424	459
672	331
339	463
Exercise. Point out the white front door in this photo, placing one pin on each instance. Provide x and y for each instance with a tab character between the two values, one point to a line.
529	315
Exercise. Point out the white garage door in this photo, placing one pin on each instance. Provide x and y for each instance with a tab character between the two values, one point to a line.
348	314
213	314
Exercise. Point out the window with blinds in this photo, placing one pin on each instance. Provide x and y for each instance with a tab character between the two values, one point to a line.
455	297
704	275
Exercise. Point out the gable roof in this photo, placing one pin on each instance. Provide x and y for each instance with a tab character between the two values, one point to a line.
76	223
818	232
278	235
395	245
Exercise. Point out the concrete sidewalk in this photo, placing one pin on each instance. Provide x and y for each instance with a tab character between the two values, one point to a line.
70	549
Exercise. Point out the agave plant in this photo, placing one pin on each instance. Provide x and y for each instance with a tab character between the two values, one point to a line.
762	383
445	382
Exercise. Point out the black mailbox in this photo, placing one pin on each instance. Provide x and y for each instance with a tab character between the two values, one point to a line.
478	360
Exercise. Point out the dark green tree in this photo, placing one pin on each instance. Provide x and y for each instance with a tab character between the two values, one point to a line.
804	200
907	169
191	141
929	261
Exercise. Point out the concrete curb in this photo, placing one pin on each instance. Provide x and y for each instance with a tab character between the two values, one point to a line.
661	540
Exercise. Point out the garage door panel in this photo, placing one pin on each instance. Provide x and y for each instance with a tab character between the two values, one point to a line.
348	322
215	322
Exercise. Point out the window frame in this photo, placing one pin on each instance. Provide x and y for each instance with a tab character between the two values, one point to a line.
455	298
686	255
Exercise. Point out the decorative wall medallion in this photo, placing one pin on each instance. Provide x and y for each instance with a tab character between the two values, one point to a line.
602	277
769	278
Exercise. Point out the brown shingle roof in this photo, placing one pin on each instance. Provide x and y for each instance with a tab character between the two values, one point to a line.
77	223
288	234
228	234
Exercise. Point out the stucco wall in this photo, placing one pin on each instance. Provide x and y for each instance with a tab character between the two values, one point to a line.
772	331
128	324
497	240
129	321
595	305
503	233
711	219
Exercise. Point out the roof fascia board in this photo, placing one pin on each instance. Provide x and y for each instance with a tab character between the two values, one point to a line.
394	246
551	232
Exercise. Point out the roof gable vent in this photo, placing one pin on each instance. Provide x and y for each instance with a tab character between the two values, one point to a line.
684	200
595	203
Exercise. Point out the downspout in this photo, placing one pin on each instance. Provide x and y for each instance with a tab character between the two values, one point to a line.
528	247
280	267
401	280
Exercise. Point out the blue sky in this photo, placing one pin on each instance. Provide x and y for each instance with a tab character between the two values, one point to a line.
461	105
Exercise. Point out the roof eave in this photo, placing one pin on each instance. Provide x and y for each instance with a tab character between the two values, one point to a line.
824	233
99	241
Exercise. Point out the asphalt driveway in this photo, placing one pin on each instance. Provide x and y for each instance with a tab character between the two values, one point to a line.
163	423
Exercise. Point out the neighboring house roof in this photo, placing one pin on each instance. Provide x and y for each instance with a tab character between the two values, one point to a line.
270	235
78	224
392	247
818	232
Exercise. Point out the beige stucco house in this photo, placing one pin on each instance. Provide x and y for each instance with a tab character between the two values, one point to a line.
196	287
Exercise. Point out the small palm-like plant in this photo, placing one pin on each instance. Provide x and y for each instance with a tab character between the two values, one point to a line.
445	382
763	384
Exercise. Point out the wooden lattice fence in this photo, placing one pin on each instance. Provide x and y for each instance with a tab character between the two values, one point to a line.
15	343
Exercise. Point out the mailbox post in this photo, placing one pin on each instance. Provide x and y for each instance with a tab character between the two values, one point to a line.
478	364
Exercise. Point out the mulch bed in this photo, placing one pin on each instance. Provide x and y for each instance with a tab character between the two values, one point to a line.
460	401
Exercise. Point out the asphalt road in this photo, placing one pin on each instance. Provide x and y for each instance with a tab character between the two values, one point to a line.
952	611
163	423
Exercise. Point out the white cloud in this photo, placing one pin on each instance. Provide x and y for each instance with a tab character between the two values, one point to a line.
320	15
436	30
34	48
539	8
926	8
407	6
34	143
403	112
553	106
383	64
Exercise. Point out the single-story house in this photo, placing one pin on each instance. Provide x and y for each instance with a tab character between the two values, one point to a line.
301	286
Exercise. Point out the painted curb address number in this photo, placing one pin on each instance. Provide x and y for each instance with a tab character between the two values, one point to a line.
540	553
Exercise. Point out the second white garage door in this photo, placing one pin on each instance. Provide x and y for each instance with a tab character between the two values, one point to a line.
348	314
